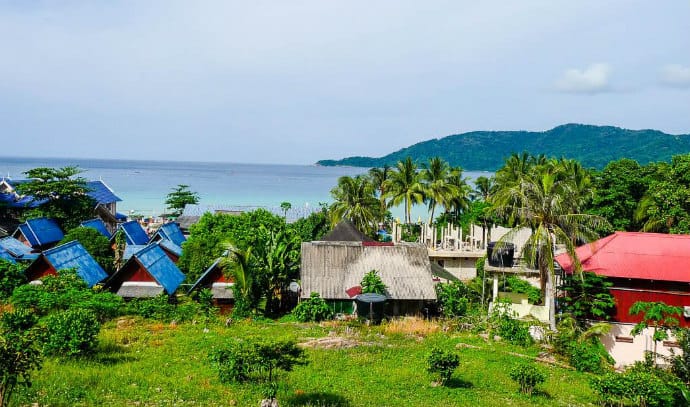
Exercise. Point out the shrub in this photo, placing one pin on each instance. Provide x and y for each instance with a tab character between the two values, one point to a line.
161	308
442	364
452	298
509	328
11	277
71	333
19	356
313	309
588	356
18	320
635	387
527	376
242	360
372	283
680	363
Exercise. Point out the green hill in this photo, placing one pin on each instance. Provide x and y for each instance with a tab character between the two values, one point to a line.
593	146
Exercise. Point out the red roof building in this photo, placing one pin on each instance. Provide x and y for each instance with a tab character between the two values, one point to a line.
650	267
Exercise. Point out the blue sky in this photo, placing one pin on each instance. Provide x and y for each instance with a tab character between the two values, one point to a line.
298	81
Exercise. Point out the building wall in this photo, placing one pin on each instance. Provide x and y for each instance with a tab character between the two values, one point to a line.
461	267
626	349
627	292
40	269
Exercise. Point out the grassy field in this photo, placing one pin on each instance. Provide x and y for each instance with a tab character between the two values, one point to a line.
141	363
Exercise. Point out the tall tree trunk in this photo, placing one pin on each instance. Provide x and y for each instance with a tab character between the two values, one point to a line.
549	298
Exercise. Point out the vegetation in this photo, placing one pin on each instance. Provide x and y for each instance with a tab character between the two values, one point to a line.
354	200
587	296
61	195
442	364
372	283
580	345
19	357
11	277
528	377
71	333
593	146
96	244
179	197
662	318
313	309
639	386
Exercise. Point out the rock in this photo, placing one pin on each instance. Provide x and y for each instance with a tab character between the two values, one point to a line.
484	336
269	403
497	338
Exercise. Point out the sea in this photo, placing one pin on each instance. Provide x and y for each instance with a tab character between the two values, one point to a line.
143	185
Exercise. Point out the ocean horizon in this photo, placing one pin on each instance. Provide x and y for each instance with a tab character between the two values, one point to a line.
143	184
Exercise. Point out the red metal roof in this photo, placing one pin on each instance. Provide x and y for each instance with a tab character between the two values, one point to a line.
646	256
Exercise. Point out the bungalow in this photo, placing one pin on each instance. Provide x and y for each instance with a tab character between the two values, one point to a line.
171	232
148	273
39	233
649	267
173	251
97	224
220	285
134	233
334	268
70	255
17	249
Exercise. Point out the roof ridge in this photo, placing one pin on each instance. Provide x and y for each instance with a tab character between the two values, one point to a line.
62	246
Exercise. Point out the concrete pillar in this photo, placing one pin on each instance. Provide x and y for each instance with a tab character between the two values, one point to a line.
495	288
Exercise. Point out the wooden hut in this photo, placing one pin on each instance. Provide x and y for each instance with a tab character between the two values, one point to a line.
220	285
70	255
16	249
39	233
148	273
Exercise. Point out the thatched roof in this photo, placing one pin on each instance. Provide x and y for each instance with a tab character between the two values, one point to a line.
345	231
330	268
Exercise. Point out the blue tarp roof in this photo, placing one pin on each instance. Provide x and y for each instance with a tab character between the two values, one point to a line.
41	231
120	216
171	247
159	266
6	256
131	250
101	193
170	231
74	255
17	249
135	234
98	225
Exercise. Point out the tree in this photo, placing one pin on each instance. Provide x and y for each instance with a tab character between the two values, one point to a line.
285	206
438	189
372	283
354	200
241	266
660	316
442	363
378	177
314	226
60	194
95	243
542	199
11	277
19	357
179	197
587	296
404	186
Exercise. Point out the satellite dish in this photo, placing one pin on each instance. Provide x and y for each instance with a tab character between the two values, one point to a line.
294	287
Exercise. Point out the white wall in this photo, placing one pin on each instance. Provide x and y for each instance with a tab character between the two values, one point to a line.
628	353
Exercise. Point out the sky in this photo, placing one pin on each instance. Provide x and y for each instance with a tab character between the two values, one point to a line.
297	81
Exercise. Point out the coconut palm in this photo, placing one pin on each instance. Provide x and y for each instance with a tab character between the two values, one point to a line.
483	187
460	201
404	186
355	201
378	177
437	186
541	199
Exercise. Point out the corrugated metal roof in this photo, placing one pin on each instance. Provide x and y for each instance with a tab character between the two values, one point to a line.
171	247
330	268
74	255
98	225
206	274
154	260
646	256
131	250
135	234
41	231
170	231
101	193
6	256
17	249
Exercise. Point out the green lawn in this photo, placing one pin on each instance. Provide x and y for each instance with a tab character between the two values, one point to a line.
141	363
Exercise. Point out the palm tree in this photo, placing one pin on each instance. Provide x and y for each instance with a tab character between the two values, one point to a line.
483	187
378	177
437	188
541	199
277	257
460	200
404	186
355	201
240	264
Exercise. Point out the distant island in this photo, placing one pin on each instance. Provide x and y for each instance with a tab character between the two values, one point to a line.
593	146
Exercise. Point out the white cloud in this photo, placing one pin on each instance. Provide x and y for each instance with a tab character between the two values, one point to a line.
676	76
593	79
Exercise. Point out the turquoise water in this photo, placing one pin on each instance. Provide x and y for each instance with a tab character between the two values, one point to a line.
143	185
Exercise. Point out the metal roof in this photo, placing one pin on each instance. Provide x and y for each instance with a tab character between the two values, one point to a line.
170	231
101	193
135	234
74	255
171	247
637	255
6	256
154	260
206	274
41	231
131	250
17	249
98	225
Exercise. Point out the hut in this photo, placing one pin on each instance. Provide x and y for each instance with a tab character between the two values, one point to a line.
649	267
97	224
106	204
171	249
39	233
170	232
334	268
134	233
70	255
148	273
17	249
220	285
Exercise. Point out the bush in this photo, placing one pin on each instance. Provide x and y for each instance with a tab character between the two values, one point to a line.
372	283
509	328
162	308
527	376
313	309
442	364
19	356
636	387
588	356
241	361
19	320
11	277
71	333
452	299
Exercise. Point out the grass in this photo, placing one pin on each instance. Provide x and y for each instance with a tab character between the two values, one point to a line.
141	363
